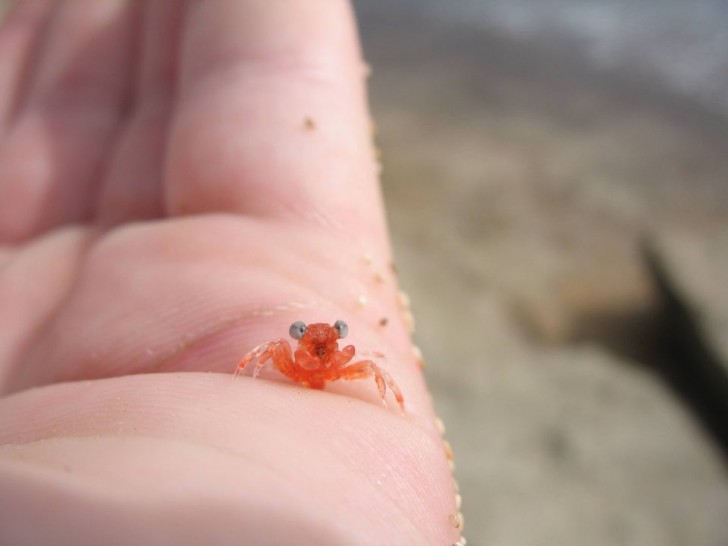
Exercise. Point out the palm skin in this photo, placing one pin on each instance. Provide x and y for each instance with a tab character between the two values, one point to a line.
165	205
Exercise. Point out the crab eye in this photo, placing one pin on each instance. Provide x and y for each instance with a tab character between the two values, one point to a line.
297	330
341	328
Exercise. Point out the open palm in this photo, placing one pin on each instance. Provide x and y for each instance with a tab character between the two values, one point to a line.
178	183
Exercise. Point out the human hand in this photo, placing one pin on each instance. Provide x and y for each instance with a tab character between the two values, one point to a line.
179	181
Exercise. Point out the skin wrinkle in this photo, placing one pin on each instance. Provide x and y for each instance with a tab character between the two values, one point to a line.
10	454
11	451
134	408
262	69
205	335
98	490
425	434
260	49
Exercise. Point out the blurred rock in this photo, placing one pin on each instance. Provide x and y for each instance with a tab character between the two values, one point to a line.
574	443
691	270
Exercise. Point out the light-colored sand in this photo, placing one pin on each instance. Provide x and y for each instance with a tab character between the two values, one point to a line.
519	182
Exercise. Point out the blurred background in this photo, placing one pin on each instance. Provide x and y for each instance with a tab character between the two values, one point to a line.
556	177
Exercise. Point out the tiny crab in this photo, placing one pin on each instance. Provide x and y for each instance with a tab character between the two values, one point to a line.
318	359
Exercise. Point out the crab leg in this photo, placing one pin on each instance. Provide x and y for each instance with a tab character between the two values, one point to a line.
263	352
367	368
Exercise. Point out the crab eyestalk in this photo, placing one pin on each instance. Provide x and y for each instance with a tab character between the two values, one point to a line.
297	330
341	328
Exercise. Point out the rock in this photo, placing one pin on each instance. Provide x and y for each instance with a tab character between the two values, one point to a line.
690	268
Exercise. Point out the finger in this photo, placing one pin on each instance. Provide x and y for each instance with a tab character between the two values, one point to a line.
224	447
25	304
273	118
56	149
199	292
132	188
19	37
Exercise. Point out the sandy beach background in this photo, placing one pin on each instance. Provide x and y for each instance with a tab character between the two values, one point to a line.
531	151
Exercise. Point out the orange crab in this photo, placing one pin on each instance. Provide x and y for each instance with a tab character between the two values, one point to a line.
317	359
